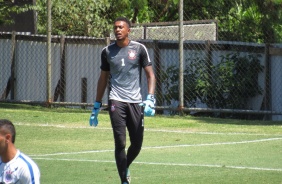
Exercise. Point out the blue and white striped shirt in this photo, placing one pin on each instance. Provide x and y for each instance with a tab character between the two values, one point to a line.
20	170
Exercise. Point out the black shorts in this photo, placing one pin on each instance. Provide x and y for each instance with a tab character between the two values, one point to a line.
128	115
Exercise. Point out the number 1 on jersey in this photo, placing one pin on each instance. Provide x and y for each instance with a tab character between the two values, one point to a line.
122	62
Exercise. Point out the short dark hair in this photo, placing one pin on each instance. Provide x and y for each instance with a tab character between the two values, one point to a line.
8	127
123	19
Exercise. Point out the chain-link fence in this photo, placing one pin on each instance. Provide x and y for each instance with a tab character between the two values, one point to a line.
224	74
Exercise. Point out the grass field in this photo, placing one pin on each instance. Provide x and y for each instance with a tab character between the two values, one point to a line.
178	150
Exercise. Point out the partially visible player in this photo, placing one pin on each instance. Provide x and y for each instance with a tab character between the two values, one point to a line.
123	62
15	167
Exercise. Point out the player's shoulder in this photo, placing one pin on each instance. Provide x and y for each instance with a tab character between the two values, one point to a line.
111	47
135	43
23	156
26	160
138	45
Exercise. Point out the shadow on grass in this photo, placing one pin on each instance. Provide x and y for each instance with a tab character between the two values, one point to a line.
241	119
59	109
230	119
202	117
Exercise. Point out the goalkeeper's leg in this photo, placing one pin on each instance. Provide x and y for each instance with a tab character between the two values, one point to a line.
120	156
135	128
130	115
118	120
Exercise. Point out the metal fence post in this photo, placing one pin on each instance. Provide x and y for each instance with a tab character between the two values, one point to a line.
181	38
12	81
49	67
267	87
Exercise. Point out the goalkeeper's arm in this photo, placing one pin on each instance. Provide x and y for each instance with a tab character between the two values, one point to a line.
149	109
102	84
151	80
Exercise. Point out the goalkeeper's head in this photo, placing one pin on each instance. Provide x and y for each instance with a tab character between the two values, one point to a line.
124	19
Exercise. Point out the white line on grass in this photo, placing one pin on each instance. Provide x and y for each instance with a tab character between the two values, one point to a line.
73	153
207	133
146	129
164	147
214	144
168	164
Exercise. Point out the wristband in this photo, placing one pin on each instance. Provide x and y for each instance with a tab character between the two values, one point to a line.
151	97
97	105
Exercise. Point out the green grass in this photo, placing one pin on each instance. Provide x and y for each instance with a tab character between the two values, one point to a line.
176	149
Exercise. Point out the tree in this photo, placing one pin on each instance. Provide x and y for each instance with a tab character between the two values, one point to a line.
145	11
8	8
95	18
270	11
238	20
72	17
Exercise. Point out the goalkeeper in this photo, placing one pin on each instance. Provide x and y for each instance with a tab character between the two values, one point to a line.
122	61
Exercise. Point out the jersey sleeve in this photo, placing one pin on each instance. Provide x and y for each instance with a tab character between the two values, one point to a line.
29	176
105	66
144	56
24	176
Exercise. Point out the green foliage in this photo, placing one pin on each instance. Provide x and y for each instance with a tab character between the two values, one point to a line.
254	21
5	9
163	10
95	18
234	81
234	24
8	8
71	17
228	84
239	20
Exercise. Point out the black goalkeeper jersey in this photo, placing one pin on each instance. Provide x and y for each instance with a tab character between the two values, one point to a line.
125	64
